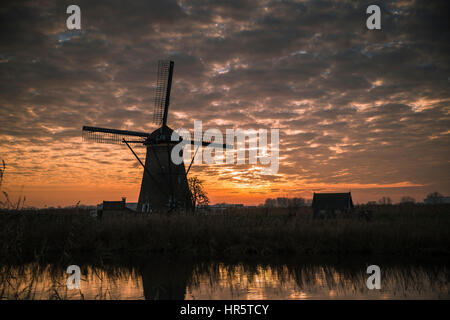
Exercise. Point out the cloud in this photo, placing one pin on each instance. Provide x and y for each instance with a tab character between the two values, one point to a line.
354	106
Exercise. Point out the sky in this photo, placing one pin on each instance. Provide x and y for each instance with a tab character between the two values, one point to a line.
358	110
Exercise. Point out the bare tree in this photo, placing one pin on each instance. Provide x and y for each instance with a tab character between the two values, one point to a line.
407	199
199	196
434	197
270	203
385	201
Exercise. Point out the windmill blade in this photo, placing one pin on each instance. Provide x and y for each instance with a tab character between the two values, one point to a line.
163	88
204	144
111	136
209	144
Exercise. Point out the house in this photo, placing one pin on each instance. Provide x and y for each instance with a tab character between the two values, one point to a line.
115	207
330	204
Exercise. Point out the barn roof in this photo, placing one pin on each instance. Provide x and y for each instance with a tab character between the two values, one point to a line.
332	201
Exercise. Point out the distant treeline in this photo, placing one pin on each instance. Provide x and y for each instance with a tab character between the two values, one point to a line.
286	203
283	202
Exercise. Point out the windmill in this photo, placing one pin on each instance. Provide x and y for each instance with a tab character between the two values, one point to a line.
164	184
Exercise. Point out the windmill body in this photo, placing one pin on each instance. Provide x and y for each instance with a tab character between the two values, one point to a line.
166	186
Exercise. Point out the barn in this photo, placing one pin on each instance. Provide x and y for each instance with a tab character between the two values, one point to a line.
330	204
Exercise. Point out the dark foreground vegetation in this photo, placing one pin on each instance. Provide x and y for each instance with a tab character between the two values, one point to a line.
44	235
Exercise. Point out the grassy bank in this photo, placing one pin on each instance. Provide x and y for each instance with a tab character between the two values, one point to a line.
393	230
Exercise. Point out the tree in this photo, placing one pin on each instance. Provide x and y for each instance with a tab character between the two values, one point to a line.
270	203
296	202
282	202
407	199
385	201
199	196
434	198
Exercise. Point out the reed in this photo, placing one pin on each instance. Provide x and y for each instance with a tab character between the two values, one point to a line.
393	230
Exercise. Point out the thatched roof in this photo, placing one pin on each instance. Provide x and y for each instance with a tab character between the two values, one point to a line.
332	201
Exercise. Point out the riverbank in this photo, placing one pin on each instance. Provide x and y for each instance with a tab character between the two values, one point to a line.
393	230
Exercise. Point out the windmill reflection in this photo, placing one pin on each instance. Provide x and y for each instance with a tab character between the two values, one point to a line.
165	280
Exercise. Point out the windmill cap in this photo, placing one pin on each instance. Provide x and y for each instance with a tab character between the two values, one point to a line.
162	134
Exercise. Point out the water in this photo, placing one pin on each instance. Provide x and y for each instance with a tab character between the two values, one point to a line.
161	279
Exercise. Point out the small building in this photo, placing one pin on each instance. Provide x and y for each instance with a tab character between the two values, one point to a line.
115	207
330	204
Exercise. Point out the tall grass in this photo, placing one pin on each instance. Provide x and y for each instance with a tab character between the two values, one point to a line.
7	203
63	234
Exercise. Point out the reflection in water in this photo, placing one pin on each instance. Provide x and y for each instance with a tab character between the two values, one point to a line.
160	279
316	282
166	280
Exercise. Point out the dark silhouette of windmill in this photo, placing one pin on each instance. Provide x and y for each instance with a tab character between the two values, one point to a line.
164	184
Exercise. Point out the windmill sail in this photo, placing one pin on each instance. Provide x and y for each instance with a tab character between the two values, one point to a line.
162	95
205	143
111	136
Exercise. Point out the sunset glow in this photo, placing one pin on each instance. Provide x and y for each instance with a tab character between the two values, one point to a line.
367	113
